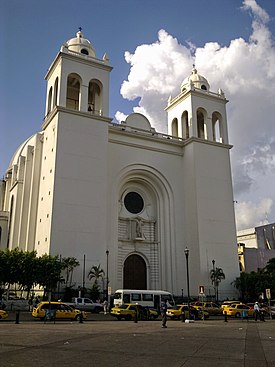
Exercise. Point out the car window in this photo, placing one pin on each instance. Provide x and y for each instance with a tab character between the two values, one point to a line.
147	297
126	298
123	306
136	296
133	307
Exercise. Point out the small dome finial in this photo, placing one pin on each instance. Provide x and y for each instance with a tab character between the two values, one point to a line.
194	70
80	29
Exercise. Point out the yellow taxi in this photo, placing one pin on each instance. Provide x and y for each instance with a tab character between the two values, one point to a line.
127	311
212	308
3	314
195	313
227	304
57	310
239	310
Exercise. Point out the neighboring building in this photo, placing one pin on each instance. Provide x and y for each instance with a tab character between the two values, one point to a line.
256	246
85	185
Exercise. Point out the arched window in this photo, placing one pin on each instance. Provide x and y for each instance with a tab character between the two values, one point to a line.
94	97
73	92
175	129
185	125
217	127
55	92
201	123
134	273
50	100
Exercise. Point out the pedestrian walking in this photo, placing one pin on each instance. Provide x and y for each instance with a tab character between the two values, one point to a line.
105	306
163	310
256	311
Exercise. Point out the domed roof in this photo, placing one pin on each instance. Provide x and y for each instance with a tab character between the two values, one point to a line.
197	80
22	150
80	44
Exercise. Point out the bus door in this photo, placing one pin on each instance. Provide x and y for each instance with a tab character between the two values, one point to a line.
157	301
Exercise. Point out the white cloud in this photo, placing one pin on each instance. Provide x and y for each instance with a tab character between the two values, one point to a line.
120	116
245	70
257	11
249	214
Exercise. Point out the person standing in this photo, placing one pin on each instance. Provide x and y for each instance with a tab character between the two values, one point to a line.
163	310
256	311
105	306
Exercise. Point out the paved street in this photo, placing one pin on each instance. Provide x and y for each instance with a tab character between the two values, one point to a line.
107	342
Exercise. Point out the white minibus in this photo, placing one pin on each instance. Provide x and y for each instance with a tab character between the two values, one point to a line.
147	298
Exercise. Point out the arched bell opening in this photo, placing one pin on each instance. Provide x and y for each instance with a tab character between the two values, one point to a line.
49	105
217	127
55	92
175	127
95	97
201	123
73	91
185	125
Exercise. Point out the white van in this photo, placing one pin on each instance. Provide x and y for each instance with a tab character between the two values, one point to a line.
147	298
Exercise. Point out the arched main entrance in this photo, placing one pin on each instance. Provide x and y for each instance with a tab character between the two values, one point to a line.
134	273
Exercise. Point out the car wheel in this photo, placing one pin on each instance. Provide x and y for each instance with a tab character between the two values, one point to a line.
128	318
97	310
77	318
119	318
237	314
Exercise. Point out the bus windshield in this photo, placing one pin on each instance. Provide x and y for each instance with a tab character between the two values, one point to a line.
117	295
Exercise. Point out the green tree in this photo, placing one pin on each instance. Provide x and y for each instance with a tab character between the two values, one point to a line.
270	266
69	264
96	273
27	271
49	272
246	285
217	275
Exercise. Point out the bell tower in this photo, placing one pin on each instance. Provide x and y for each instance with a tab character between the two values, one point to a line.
197	117
77	80
197	112
75	150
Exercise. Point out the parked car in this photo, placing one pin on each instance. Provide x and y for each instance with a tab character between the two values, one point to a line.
226	304
239	310
3	314
57	310
195	313
85	304
127	311
211	307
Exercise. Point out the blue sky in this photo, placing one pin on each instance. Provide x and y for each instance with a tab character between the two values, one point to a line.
225	38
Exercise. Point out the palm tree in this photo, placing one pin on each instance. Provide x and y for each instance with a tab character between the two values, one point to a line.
68	264
216	276
97	273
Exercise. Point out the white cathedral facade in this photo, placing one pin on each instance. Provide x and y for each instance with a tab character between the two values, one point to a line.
124	194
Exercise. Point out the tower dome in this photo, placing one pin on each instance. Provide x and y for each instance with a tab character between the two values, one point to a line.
197	80
80	45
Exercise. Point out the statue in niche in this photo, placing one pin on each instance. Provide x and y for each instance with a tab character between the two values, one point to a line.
139	224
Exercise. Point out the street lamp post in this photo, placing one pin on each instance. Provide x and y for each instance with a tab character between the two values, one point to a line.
186	251
107	274
214	280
